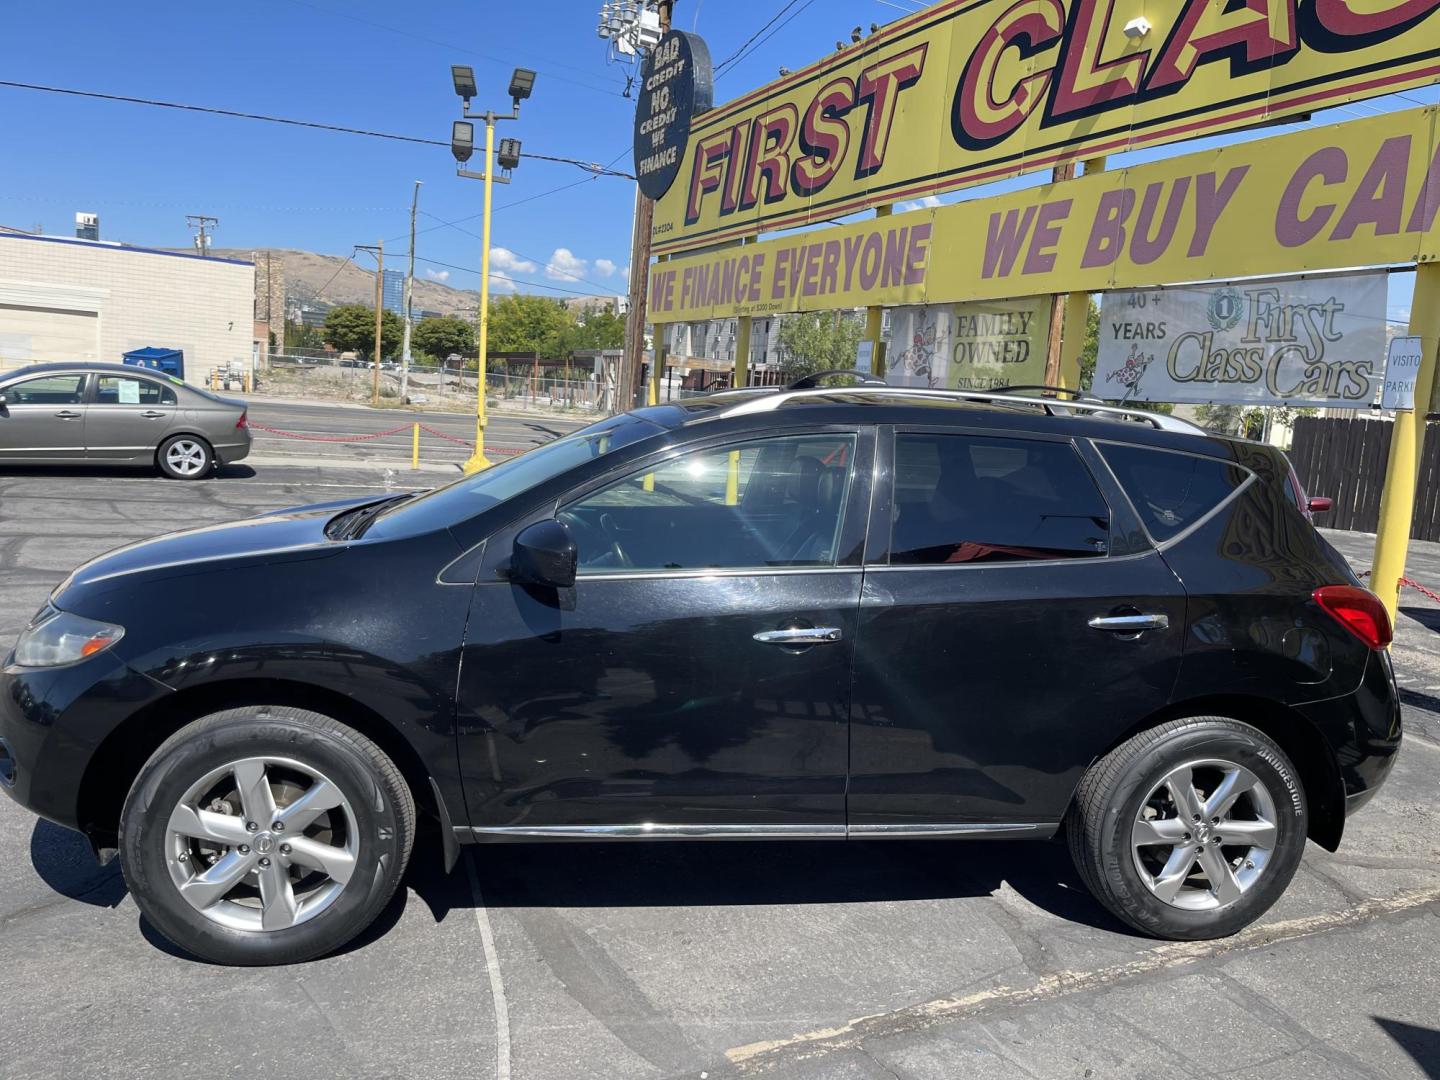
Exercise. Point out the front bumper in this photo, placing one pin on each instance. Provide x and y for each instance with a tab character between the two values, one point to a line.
54	721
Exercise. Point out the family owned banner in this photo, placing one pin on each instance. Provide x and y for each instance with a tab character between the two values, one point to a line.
1316	341
976	346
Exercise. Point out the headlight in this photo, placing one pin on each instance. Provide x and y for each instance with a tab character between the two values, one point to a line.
56	637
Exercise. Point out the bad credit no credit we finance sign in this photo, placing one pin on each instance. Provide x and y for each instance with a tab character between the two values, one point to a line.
971	91
1356	194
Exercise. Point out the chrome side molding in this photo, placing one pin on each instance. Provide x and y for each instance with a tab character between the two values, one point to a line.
657	831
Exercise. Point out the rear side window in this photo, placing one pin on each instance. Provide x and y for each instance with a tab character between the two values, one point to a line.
119	390
1172	491
970	499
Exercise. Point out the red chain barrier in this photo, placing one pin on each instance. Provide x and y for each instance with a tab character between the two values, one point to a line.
502	451
1411	583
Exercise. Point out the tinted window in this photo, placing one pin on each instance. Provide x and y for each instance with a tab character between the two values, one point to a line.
47	390
1172	491
769	503
964	499
113	390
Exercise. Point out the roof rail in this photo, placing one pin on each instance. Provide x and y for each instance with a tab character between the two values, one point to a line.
1050	406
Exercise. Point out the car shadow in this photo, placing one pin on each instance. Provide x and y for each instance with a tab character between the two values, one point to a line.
753	873
1421	1043
138	472
1425	616
63	860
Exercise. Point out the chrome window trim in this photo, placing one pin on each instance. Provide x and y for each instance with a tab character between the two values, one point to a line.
658	831
1079	560
729	572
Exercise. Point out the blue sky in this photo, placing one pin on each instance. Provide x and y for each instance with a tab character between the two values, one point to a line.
380	66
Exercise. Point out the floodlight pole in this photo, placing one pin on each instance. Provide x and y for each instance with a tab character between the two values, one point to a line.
379	252
478	460
409	302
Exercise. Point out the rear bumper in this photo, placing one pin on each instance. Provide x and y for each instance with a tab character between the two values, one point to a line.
229	453
1364	731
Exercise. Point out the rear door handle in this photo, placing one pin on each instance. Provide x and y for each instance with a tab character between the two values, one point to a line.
1130	624
151	414
805	635
66	414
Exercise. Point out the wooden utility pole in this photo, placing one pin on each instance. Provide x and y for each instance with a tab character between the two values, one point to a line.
633	362
1057	303
379	252
409	302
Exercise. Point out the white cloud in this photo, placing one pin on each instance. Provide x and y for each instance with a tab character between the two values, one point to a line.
605	268
437	275
565	265
929	202
506	261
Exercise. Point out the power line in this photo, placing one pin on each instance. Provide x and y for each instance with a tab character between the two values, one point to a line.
451	47
773	20
518	281
528	258
504	206
589	166
733	61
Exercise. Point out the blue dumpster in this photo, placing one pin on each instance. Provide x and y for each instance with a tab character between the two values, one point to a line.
170	361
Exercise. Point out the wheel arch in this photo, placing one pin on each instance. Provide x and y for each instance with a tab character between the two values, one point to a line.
1302	741
119	759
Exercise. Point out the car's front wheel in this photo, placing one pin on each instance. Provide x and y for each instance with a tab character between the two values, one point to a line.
185	457
265	835
1190	830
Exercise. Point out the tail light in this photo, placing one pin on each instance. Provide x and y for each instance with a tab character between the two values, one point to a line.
1358	610
243	422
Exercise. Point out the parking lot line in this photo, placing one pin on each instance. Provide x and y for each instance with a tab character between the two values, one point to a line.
492	968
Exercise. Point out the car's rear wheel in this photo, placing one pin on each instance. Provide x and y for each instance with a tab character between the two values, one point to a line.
1190	830
185	457
265	835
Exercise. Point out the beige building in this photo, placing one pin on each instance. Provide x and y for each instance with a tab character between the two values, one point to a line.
65	299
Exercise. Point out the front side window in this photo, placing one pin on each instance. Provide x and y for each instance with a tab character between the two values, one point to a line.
47	390
757	505
119	390
962	499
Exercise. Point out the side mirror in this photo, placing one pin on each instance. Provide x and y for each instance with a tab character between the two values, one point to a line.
1318	504
4	401
545	554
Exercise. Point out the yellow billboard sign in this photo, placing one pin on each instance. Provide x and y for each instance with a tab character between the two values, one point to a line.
970	91
1355	194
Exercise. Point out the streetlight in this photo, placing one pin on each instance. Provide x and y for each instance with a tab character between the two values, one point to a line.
462	146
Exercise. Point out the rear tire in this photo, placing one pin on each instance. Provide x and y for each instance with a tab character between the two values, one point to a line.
265	835
185	457
1148	827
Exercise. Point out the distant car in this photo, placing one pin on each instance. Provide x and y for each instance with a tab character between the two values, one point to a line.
866	613
112	414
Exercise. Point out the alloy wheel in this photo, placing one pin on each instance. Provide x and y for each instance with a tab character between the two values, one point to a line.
1204	835
186	457
262	843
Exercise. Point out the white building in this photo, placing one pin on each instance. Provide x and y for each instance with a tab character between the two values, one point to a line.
64	299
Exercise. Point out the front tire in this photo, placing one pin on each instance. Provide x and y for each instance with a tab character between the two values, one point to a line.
265	835
185	457
1190	830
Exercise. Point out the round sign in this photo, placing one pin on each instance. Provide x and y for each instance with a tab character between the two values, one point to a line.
677	84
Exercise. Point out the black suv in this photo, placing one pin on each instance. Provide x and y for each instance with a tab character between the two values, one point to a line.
863	613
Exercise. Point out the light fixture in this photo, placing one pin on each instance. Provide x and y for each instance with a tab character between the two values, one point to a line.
1137	28
462	140
521	84
508	155
463	76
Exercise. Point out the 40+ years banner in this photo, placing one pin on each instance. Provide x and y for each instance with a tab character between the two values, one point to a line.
1300	341
1364	193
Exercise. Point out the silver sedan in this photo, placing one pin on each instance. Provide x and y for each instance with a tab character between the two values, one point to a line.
111	414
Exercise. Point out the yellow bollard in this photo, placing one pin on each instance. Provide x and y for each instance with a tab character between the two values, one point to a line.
1407	440
415	448
732	479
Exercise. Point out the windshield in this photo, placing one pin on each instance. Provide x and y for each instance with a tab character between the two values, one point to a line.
471	495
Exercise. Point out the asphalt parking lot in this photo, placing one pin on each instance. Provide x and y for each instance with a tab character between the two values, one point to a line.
916	961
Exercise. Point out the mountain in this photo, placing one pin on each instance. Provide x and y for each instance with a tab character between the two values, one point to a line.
328	279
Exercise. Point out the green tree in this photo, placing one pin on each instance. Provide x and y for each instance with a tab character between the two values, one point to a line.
300	336
596	328
351	328
817	341
439	337
528	324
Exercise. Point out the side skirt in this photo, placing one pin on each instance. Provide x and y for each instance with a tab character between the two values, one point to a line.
651	831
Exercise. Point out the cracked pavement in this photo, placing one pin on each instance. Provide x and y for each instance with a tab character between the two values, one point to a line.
912	961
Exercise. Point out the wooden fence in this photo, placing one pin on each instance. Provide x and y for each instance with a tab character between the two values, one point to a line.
1345	460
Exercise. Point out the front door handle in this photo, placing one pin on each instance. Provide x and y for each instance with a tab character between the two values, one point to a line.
66	414
1130	624
151	414
804	635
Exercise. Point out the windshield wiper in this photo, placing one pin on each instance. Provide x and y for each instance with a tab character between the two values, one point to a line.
352	524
